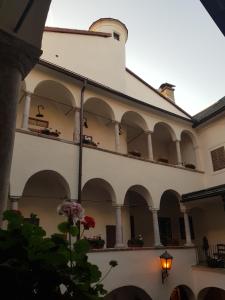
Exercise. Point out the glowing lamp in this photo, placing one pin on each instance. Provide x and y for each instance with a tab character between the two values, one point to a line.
166	264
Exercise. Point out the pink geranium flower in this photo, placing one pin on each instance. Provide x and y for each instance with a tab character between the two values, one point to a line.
72	210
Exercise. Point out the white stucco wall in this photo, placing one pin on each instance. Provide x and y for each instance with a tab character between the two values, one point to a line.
142	269
207	277
211	136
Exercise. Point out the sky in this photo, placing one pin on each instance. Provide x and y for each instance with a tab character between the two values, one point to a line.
173	41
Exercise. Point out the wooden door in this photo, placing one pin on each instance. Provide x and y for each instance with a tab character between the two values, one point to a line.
110	236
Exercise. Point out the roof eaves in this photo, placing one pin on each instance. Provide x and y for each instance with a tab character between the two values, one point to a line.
205	193
208	117
156	91
108	89
77	31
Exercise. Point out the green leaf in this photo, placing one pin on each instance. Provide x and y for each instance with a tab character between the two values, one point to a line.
14	219
81	247
74	230
95	273
64	227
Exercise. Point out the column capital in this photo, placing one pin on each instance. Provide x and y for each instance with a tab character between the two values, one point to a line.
117	205
115	122
154	210
184	209
28	93
17	53
148	132
15	198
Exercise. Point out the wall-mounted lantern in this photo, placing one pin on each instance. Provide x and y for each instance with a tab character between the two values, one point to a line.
39	114
166	264
85	124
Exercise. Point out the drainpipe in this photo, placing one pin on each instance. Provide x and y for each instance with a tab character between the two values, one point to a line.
81	149
81	141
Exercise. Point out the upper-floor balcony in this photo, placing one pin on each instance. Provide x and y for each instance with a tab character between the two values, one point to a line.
50	111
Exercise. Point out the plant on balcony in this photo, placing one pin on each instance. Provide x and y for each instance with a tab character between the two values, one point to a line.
190	166
33	266
163	160
48	131
96	242
136	242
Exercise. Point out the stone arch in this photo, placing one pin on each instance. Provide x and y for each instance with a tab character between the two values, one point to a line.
182	292
191	135
102	183
169	218
52	108
137	204
188	145
133	134
42	194
143	191
100	107
54	90
98	198
168	127
210	293
164	143
128	293
99	123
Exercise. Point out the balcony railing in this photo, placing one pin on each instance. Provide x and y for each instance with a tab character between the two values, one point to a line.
212	256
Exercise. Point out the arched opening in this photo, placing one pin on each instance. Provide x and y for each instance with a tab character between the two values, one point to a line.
133	136
210	293
170	220
98	197
182	292
163	144
137	202
128	293
42	194
98	124
187	150
52	110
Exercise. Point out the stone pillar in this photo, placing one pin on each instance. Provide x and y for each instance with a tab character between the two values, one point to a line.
157	241
119	229
150	149
117	136
179	158
76	134
17	58
26	111
187	229
14	202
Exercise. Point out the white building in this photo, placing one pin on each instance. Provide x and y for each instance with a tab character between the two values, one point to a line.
148	166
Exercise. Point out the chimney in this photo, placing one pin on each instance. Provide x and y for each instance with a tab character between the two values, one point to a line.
167	90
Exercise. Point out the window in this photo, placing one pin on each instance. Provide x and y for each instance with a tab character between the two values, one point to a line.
218	158
116	36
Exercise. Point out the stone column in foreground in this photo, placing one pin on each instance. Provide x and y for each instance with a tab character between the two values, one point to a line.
17	58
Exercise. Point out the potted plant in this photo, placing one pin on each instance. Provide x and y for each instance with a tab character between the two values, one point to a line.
136	242
96	242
